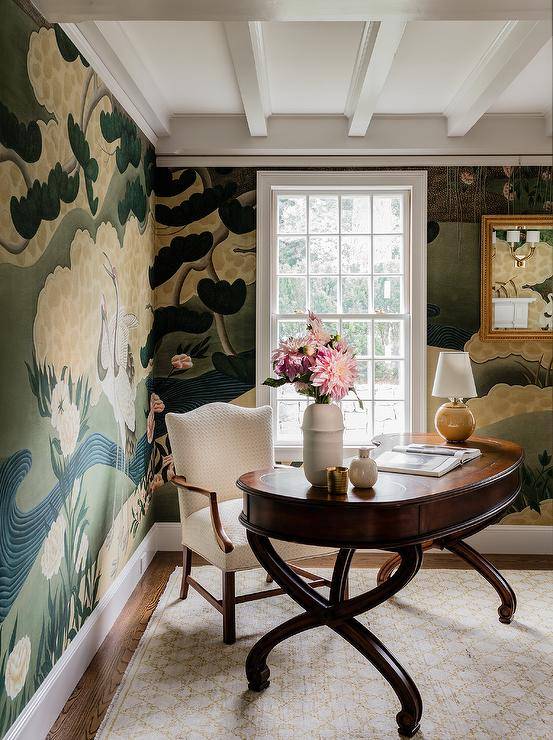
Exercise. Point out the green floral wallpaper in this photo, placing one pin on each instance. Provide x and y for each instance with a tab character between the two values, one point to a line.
119	305
76	243
203	280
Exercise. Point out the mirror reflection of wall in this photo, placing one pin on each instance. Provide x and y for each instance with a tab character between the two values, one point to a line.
522	278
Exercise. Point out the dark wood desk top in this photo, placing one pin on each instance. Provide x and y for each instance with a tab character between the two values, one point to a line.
399	506
498	458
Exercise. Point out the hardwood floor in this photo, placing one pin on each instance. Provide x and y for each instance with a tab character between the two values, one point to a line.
85	708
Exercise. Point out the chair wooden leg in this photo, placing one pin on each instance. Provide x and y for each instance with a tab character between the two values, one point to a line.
186	568
229	608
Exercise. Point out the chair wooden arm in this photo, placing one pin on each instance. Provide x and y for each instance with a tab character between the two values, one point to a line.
223	540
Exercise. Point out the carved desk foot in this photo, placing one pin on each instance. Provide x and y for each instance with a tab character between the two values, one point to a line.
477	561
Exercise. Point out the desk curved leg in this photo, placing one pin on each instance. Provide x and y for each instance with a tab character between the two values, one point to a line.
491	574
392	563
338	614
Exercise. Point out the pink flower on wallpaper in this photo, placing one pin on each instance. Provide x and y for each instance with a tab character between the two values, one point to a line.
181	362
334	372
467	177
289	359
507	170
156	407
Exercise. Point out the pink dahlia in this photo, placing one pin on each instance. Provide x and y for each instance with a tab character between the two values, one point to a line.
318	333
289	359
334	372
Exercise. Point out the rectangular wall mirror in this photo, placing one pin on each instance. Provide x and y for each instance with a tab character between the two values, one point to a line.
517	277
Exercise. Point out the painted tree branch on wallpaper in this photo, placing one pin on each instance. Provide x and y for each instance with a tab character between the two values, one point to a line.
76	244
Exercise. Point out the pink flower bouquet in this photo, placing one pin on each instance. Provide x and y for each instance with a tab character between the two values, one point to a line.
320	365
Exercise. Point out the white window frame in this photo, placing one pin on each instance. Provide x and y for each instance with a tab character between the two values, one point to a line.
269	184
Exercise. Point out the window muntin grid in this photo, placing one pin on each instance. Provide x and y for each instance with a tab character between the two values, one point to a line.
345	256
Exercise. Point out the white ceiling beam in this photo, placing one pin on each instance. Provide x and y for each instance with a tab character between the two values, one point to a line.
497	135
512	50
379	44
548	118
111	54
245	42
293	10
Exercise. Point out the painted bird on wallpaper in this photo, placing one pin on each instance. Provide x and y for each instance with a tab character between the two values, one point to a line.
116	364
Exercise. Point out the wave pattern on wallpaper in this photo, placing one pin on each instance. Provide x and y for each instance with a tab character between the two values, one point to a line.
23	532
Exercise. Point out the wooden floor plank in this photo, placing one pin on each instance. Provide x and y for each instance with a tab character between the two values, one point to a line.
87	705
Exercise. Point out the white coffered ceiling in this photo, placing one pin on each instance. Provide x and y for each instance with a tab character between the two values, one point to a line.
182	66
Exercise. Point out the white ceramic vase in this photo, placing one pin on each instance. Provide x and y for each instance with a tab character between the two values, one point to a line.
363	471
323	440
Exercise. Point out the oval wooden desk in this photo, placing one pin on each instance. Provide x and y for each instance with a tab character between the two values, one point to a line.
403	514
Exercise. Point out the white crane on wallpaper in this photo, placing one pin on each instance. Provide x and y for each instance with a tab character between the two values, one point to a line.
115	364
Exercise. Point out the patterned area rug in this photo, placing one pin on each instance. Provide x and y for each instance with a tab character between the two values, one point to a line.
477	677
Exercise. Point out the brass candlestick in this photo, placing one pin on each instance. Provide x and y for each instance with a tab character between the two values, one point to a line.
337	480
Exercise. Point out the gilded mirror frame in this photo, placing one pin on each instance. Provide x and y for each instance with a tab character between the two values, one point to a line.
489	224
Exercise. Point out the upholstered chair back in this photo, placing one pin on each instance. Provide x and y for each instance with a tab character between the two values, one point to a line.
214	445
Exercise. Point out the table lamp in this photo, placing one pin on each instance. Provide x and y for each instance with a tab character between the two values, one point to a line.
454	421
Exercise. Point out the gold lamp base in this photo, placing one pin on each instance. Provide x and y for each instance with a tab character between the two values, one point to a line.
454	421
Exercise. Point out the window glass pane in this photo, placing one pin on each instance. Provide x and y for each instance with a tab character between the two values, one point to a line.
355	295
363	384
356	254
323	254
356	214
387	217
288	329
388	338
323	214
332	327
387	295
388	252
292	254
388	379
292	217
324	294
389	417
289	418
291	294
288	392
358	334
357	422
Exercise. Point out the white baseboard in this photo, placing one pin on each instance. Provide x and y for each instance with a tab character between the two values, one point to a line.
499	539
44	707
41	712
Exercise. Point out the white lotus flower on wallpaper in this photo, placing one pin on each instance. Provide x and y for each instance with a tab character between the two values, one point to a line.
17	667
80	560
65	417
52	553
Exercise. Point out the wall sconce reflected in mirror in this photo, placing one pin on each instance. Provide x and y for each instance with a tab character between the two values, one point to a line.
515	238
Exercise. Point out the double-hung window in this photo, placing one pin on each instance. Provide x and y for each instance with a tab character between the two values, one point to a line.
350	247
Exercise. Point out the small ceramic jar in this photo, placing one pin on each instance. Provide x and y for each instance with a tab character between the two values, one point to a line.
363	472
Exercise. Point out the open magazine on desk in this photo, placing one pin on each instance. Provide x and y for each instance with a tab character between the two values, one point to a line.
422	459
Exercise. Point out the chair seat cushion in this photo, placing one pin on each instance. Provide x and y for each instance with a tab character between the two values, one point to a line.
197	534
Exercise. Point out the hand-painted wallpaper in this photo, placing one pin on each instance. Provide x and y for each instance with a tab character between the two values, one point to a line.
204	322
76	243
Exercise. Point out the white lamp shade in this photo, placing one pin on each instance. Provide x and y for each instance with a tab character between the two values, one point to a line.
454	378
513	236
532	237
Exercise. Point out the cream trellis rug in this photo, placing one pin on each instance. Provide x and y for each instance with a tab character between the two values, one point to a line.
477	677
